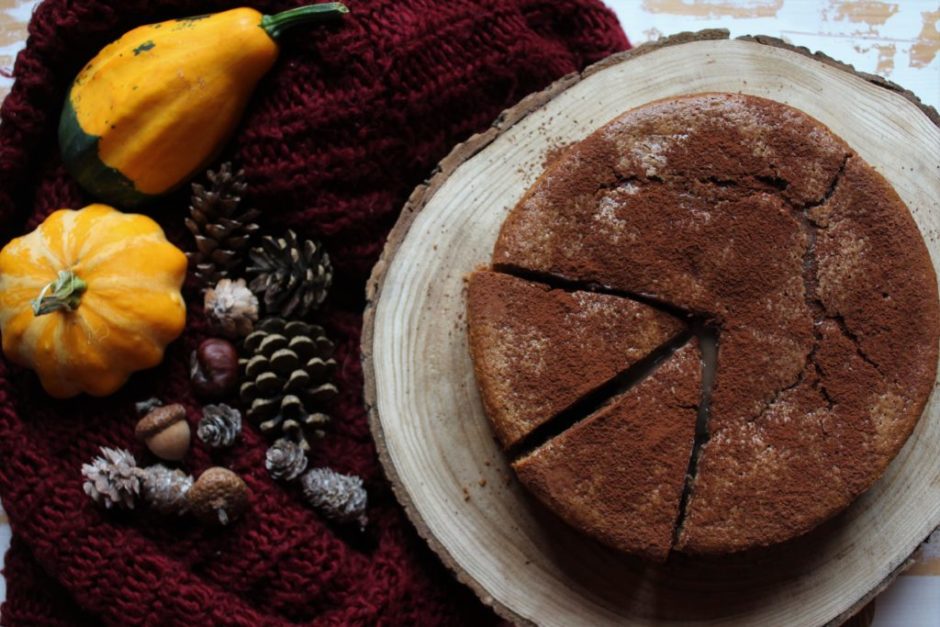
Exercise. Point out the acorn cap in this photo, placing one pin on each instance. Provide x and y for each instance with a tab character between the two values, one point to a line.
159	419
218	496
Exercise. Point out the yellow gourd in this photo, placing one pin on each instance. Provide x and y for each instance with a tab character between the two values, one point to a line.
90	297
155	106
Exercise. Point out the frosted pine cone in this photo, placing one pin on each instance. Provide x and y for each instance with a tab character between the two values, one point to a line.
285	460
219	425
337	496
165	489
113	479
231	308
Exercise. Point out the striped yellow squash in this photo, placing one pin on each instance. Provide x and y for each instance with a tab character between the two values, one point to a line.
155	106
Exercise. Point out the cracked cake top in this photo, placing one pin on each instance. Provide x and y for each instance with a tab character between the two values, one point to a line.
753	218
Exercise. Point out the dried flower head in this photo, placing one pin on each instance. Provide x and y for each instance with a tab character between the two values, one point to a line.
231	308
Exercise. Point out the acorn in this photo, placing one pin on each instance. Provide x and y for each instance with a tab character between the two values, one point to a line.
165	432
219	496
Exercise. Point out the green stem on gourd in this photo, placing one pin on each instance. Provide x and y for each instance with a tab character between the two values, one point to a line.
63	294
275	25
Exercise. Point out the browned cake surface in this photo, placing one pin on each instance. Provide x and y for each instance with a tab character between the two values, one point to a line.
619	473
538	350
753	216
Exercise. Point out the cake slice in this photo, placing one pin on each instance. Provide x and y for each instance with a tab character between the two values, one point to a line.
537	350
618	475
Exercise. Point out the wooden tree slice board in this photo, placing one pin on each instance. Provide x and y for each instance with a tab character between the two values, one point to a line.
433	436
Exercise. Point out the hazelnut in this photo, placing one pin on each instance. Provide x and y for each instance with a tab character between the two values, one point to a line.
213	369
165	432
218	496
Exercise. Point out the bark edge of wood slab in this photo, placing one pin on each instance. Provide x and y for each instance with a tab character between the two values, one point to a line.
612	588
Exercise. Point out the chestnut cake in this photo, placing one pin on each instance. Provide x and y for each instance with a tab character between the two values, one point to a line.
738	215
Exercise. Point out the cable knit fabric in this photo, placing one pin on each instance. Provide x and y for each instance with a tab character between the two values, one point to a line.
354	115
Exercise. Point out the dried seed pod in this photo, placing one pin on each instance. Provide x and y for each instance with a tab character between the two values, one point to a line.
218	496
222	228
287	378
292	276
165	432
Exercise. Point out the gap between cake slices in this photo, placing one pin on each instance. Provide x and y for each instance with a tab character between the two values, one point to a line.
539	351
619	473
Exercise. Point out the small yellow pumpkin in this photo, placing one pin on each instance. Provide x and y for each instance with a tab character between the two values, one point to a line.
90	297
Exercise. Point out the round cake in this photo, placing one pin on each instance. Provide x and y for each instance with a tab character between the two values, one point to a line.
705	222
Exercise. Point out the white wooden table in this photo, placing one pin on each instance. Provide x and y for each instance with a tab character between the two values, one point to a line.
899	40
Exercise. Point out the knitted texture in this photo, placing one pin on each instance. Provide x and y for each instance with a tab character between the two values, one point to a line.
353	116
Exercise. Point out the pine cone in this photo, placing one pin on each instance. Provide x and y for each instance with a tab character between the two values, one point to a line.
338	497
285	460
221	230
286	376
291	277
165	489
113	479
231	308
219	425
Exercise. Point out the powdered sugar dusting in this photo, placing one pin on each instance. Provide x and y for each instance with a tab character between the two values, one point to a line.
651	152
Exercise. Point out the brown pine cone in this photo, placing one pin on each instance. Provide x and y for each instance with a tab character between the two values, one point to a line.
291	277
286	378
222	230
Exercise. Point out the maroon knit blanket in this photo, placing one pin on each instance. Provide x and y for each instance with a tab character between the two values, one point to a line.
354	115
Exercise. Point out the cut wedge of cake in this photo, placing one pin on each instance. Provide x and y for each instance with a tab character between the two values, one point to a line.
618	475
538	350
